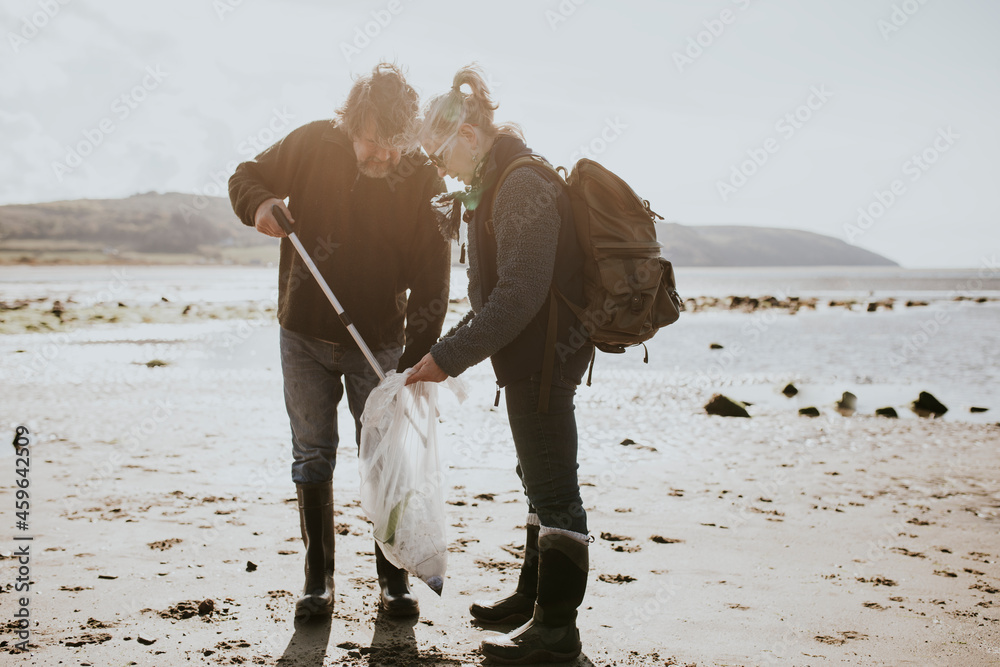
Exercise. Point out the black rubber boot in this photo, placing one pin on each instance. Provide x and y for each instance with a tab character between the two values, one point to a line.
396	599
516	608
551	634
318	533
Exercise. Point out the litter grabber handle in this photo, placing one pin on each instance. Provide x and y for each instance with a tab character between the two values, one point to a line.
279	215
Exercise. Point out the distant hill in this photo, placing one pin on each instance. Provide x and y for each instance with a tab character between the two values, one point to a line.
148	223
206	229
731	245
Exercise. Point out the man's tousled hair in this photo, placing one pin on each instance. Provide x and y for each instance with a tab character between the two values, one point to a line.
385	98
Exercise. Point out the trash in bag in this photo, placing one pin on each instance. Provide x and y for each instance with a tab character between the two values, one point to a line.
401	480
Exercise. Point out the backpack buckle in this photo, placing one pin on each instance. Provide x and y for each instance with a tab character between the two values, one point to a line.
635	301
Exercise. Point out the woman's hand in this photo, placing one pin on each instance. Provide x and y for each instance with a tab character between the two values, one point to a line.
427	370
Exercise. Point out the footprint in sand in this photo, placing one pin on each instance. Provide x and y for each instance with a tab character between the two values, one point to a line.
89	638
611	537
844	637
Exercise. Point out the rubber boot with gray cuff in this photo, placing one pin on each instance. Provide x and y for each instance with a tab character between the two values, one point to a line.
551	635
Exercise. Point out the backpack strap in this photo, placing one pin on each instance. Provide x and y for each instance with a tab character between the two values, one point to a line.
549	357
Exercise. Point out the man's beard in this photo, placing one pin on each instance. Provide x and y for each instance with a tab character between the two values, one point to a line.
376	168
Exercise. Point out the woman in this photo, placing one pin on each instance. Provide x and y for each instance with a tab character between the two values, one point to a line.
522	244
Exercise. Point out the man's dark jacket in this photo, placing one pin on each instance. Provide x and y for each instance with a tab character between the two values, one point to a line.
372	239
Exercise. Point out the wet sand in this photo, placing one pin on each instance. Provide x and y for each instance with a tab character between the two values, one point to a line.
165	529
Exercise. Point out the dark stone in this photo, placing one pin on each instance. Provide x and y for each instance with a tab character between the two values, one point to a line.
847	404
724	406
715	346
928	406
809	412
789	390
206	607
251	566
872	307
887	412
975	409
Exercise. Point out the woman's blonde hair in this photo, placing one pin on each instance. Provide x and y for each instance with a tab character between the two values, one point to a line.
444	113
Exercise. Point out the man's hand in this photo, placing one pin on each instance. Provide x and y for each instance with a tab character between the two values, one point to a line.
427	370
264	220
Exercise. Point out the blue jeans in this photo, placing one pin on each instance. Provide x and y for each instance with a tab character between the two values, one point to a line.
315	374
546	444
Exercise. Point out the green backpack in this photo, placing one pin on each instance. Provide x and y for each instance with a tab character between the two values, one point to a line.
629	289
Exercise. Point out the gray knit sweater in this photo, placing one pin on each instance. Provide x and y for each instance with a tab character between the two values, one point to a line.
527	231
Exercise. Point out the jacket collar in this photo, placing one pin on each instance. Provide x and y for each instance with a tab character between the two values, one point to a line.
334	134
504	150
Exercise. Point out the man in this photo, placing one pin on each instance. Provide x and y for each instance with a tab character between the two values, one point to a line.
361	207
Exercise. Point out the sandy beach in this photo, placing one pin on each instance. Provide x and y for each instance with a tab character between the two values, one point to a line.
164	529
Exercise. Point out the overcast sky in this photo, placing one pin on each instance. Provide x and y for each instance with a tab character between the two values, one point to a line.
776	113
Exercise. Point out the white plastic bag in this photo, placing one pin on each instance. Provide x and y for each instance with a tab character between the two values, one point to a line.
401	480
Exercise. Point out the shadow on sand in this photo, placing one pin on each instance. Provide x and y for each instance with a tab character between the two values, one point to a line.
307	647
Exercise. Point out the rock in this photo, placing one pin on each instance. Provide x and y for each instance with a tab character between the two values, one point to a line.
627	441
154	363
122	305
251	566
715	346
928	406
809	412
872	307
913	304
145	640
887	412
187	309
789	390
206	607
847	404
975	409
724	406
164	299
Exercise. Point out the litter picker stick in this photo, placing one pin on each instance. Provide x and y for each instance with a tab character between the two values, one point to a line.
279	215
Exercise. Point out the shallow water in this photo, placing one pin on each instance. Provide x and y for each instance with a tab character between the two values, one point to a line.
949	348
214	284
